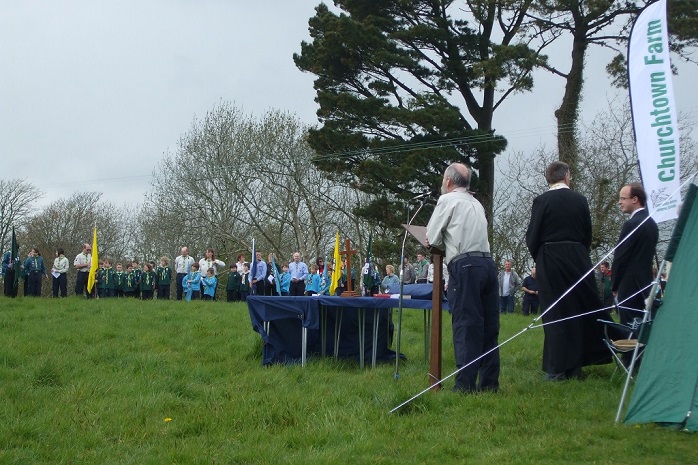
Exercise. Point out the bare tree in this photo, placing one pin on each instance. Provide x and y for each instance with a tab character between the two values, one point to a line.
69	223
17	200
233	178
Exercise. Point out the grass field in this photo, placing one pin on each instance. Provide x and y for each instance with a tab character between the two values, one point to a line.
132	382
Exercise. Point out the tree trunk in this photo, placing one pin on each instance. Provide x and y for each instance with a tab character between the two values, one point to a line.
486	161
568	113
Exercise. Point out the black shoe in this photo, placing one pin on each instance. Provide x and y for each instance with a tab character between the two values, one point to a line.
555	377
574	373
461	390
492	389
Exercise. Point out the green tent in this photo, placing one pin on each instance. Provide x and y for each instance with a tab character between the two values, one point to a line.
666	390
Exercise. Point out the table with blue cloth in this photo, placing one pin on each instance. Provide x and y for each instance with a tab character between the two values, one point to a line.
292	327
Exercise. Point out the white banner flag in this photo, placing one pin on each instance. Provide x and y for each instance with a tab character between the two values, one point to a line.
654	111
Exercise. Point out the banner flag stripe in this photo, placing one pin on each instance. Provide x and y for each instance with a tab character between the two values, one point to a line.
654	111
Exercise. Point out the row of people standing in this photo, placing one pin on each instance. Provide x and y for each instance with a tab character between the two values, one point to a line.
135	281
256	278
297	279
130	279
150	279
312	280
183	267
33	272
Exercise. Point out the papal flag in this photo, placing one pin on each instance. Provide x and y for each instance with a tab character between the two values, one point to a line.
253	268
275	271
16	262
337	267
368	269
654	111
94	264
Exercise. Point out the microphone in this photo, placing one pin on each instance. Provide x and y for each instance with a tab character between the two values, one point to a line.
422	195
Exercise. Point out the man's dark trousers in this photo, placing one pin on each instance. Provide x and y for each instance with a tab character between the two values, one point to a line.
180	286
473	298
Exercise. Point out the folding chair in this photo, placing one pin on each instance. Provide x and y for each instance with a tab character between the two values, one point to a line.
622	339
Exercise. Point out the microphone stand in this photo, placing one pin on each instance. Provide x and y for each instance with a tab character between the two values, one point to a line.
402	285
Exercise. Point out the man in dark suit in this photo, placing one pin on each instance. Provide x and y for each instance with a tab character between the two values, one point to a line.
559	237
632	262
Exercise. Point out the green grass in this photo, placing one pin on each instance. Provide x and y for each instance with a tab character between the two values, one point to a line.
94	382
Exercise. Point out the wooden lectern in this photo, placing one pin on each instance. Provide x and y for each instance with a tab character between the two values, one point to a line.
435	346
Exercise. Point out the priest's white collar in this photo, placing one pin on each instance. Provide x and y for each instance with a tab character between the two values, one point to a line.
559	185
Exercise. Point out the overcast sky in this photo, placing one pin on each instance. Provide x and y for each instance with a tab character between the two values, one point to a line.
93	93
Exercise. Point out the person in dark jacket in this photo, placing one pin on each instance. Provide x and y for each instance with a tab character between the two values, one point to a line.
632	260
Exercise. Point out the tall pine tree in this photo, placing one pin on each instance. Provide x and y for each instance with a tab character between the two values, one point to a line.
407	87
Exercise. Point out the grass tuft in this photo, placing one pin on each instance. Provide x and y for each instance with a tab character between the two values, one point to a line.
47	375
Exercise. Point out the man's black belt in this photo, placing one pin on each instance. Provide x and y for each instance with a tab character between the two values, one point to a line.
471	254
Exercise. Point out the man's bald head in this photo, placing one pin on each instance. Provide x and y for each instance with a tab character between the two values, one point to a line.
458	174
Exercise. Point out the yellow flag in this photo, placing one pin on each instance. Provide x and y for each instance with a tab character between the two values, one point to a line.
94	264
337	269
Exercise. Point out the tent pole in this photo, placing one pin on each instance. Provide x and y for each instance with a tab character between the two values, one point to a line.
645	318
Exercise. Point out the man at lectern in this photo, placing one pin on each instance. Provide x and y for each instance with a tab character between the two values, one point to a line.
459	227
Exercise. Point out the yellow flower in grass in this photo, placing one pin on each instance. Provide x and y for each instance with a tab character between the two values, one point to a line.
168	419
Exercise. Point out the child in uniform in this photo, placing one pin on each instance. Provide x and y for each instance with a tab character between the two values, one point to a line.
232	288
164	273
108	281
147	282
192	283
99	280
209	284
130	282
285	280
312	282
326	280
119	278
245	282
137	273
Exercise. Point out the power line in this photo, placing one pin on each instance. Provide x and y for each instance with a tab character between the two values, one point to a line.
516	134
468	140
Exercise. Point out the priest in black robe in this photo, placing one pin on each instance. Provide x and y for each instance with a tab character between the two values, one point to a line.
559	237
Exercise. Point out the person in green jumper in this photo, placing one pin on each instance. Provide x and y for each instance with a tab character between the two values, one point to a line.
232	288
164	274
33	271
130	282
109	279
99	280
119	280
147	282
